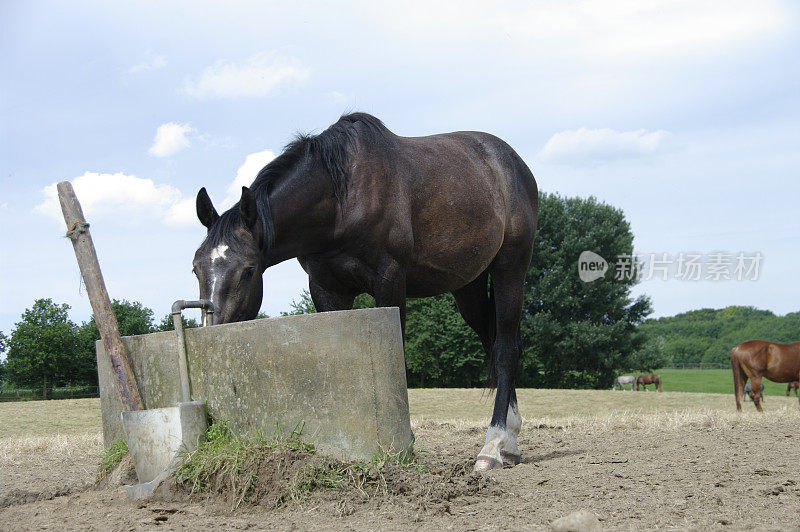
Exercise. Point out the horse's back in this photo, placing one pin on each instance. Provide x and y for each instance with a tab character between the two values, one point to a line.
453	200
776	361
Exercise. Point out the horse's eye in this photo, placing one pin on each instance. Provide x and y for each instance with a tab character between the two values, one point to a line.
248	272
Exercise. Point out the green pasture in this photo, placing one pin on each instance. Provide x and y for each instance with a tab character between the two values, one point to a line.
708	381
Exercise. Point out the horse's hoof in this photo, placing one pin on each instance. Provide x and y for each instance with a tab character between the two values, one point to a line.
510	459
485	463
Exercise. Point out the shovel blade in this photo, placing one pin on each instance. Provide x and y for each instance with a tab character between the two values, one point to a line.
155	437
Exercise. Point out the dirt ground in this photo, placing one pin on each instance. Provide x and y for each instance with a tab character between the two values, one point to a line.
682	468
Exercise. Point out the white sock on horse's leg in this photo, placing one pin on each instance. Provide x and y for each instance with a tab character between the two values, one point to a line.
490	457
501	443
510	453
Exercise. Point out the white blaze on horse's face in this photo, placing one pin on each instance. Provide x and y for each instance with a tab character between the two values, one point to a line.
229	275
217	254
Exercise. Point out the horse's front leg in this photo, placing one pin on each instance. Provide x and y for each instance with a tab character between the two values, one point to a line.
327	299
389	290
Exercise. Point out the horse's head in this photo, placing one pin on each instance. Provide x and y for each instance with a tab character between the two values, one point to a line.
229	264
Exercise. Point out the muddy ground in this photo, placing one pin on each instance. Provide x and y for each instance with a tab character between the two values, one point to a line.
683	471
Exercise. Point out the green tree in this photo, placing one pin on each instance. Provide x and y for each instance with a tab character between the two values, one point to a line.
302	306
707	335
133	318
305	305
649	357
578	334
42	347
166	323
3	348
441	349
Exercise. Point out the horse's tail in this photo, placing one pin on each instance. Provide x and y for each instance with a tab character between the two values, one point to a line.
738	381
492	381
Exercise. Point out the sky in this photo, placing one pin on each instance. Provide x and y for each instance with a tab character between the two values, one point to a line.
684	114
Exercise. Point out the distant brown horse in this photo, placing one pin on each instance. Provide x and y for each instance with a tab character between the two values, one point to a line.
652	378
794	385
756	359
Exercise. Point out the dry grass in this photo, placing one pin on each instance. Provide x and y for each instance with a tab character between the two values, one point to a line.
39	434
32	449
595	410
66	417
74	425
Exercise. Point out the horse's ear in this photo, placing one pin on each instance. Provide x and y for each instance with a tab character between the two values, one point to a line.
247	207
205	209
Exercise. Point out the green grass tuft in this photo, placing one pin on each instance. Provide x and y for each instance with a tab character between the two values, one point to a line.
228	463
254	469
111	457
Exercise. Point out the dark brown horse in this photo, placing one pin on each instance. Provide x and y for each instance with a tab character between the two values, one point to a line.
758	359
794	385
365	210
652	378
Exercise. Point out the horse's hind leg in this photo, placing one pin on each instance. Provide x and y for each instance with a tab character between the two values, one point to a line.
501	438
755	392
477	310
739	380
475	307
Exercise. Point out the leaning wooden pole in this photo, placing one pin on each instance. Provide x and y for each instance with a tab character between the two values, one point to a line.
78	233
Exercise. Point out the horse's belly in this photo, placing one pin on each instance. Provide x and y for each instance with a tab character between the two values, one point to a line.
782	367
429	278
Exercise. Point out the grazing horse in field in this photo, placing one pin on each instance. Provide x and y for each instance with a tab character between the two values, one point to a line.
622	381
365	210
644	380
757	359
749	386
794	385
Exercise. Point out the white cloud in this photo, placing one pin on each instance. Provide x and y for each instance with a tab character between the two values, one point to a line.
245	176
257	77
340	98
170	139
611	31
126	198
183	212
133	200
588	146
153	62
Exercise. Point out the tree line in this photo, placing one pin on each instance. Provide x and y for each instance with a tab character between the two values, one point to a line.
707	335
575	334
46	349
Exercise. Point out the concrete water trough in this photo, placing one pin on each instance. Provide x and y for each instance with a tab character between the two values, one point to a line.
340	376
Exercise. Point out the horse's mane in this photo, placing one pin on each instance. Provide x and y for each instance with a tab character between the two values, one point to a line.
331	148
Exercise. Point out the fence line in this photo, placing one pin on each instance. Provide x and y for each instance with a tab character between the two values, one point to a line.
38	394
81	392
699	365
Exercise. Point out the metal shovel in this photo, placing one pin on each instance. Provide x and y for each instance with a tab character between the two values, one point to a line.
157	438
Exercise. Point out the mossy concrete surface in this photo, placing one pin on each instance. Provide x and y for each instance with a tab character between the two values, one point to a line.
338	376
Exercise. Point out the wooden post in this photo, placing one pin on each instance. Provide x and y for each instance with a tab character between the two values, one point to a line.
78	232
